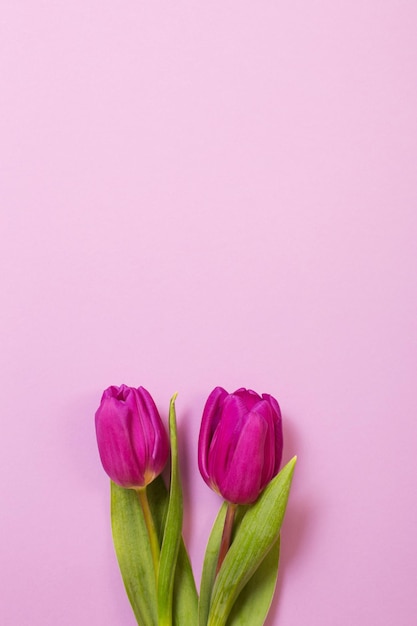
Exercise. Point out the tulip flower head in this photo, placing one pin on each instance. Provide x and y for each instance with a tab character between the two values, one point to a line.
131	438
240	443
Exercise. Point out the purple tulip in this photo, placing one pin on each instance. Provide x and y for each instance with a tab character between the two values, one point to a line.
240	443
131	438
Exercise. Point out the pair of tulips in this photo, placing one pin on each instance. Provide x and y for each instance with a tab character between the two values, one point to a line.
239	455
239	448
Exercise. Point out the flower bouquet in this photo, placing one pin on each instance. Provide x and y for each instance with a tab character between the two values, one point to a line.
239	455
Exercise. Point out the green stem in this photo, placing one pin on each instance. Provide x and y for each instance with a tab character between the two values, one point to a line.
153	537
227	534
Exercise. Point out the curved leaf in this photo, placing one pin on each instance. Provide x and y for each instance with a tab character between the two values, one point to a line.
209	566
133	552
185	597
185	602
172	533
131	542
252	604
254	538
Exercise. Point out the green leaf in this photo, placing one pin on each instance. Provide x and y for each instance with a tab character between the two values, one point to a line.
185	597
131	542
253	602
133	552
172	534
185	605
256	535
209	566
158	501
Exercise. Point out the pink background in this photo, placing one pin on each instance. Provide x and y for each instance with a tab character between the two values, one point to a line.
203	193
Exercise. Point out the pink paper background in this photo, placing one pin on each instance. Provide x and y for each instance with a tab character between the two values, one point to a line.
203	193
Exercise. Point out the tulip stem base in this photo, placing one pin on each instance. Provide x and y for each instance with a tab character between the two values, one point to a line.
227	534
153	537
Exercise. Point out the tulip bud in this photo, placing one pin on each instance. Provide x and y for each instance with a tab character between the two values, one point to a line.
240	443
131	438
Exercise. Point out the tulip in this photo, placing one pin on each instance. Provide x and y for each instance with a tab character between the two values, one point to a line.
132	440
240	443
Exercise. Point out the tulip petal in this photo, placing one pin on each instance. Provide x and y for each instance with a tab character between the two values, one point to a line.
242	482
225	438
222	443
138	431
278	436
114	443
249	397
264	410
149	416
160	449
209	422
132	440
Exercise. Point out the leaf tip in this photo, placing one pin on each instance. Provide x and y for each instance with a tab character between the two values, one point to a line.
290	466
